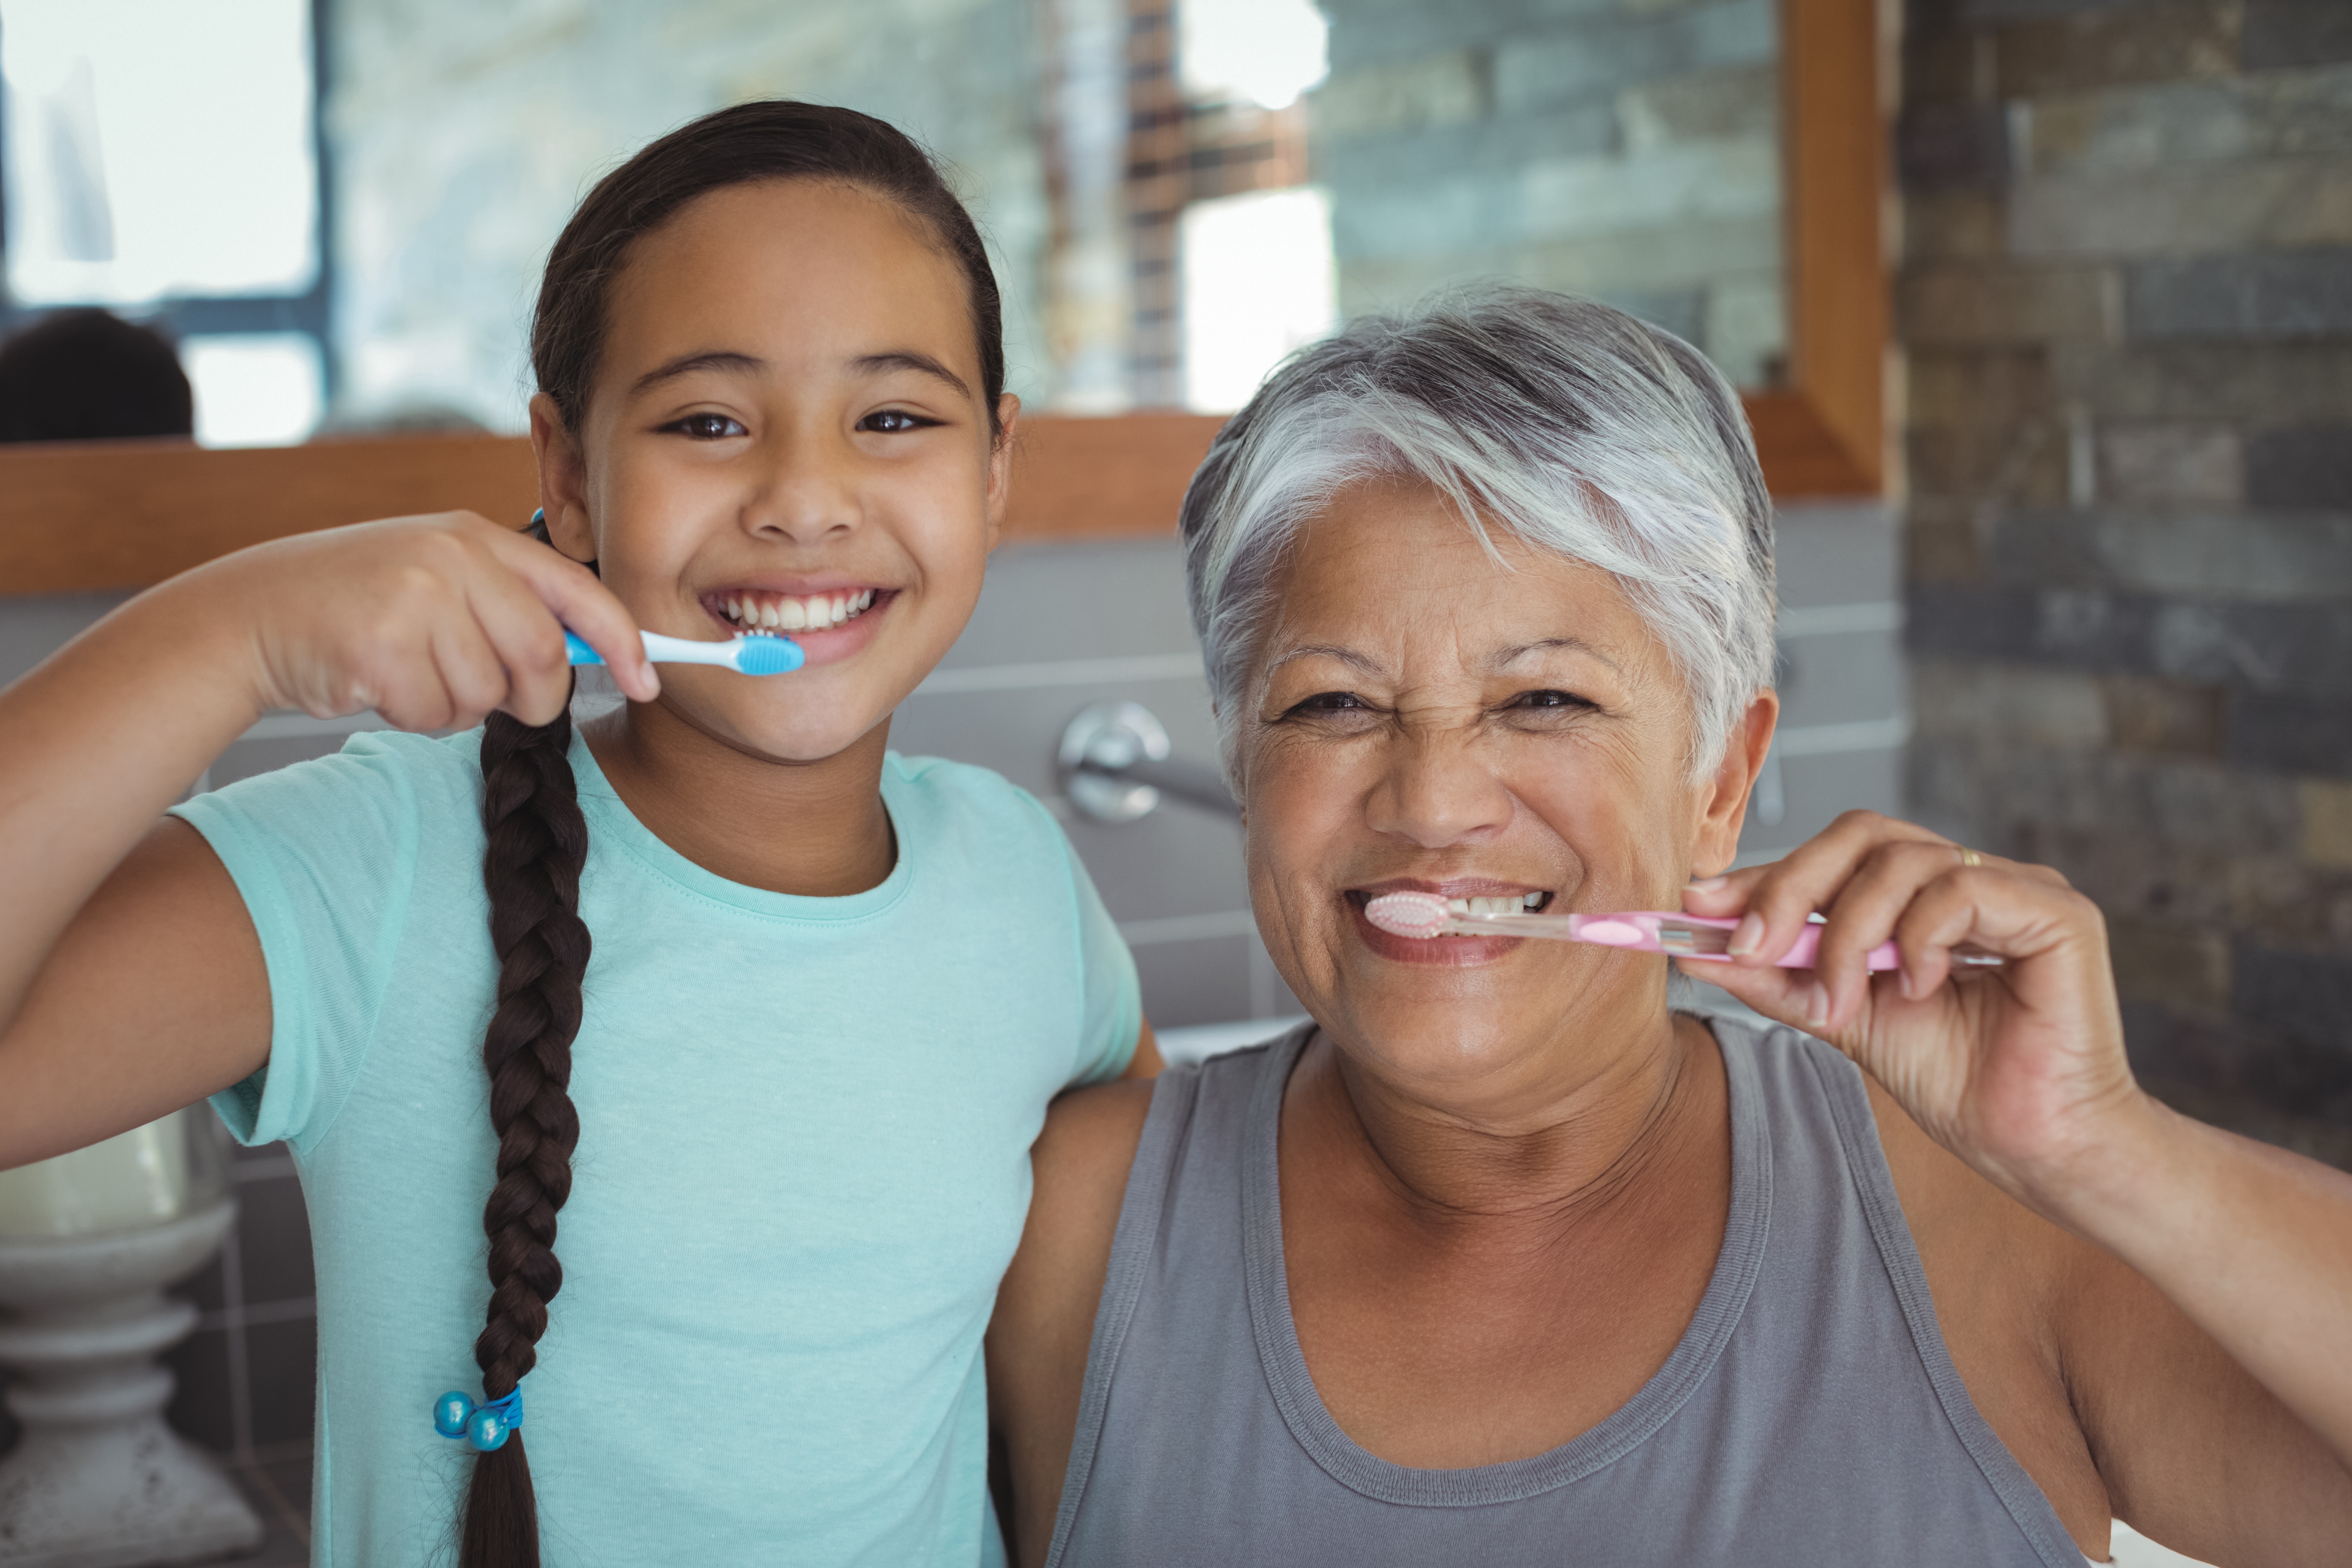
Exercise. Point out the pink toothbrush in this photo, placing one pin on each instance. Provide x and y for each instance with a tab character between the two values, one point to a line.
1685	936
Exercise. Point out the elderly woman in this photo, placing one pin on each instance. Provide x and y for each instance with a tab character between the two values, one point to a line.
1501	1260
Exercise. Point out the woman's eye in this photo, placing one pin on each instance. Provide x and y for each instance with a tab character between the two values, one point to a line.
708	427
894	421
1329	704
1547	706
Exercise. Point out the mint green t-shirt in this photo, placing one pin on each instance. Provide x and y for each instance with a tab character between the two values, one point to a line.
802	1171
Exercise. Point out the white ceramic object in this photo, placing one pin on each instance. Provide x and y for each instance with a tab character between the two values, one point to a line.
97	1480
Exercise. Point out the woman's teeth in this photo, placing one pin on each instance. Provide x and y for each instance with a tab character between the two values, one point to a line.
814	612
1509	904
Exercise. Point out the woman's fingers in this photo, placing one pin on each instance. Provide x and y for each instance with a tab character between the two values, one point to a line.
1863	914
1783	897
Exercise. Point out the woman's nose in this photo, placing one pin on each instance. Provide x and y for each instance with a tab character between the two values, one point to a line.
805	492
1436	790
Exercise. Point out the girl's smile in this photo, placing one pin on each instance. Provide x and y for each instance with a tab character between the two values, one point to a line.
830	621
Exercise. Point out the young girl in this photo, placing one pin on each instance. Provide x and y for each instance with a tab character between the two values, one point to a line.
831	990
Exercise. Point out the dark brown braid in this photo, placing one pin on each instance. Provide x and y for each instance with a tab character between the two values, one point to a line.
537	841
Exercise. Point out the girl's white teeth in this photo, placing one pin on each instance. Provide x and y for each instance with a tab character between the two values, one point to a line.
1509	904
817	612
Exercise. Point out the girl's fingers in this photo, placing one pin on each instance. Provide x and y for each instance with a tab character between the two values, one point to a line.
471	673
526	640
586	606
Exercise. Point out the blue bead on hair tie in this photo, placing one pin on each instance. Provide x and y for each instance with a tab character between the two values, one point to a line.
483	1426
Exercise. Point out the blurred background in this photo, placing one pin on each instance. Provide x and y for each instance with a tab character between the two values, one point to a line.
2101	615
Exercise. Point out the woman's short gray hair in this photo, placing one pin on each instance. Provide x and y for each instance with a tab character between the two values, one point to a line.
1574	426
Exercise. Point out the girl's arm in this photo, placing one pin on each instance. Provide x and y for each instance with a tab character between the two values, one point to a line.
2208	1352
131	980
1045	1308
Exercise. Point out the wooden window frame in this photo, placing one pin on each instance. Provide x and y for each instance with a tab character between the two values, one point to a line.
116	515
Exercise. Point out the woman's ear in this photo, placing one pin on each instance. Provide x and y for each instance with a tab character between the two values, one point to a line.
562	480
1723	800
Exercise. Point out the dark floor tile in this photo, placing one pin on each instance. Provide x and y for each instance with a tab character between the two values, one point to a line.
274	1235
286	1541
200	1400
290	1474
283	1359
202	1287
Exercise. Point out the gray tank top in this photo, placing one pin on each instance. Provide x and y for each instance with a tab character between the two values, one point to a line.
1809	1416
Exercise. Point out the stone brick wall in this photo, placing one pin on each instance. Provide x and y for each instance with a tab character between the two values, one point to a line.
2126	308
1624	149
462	135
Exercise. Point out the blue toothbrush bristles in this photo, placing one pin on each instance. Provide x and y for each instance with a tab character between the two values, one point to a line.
768	655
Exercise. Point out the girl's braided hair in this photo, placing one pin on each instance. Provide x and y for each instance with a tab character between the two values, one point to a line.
537	839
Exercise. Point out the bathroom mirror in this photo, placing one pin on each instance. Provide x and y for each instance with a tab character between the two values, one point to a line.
1176	193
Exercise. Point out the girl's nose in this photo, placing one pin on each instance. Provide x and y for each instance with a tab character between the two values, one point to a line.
807	493
1437	790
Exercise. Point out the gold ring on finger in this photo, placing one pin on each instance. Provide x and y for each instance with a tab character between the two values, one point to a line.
1968	856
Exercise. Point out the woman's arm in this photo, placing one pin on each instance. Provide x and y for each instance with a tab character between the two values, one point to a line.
130	981
2210	1362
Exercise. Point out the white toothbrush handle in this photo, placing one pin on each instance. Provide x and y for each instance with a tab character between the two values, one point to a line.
679	650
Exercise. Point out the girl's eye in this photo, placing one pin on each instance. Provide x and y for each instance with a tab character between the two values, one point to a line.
894	422
708	427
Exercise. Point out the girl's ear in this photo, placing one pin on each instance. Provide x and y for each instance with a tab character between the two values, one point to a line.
562	480
1000	465
1723	799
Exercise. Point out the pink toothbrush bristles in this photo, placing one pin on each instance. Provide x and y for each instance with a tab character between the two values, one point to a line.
1408	914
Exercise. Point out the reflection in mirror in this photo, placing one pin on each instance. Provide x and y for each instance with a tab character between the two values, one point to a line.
1284	167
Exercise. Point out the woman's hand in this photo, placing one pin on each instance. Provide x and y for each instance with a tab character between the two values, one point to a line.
2020	1069
432	621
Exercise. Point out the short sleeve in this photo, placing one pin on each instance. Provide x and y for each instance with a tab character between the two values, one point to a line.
1114	1000
324	854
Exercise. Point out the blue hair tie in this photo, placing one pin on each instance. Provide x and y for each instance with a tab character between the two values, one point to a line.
484	1427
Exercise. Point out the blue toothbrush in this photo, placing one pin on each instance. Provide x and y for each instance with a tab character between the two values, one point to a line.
744	656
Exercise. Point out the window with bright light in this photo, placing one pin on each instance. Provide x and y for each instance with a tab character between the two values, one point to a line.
1259	281
255	389
161	160
1266	52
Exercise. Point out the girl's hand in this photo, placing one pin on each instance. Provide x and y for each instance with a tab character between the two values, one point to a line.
432	621
2019	1071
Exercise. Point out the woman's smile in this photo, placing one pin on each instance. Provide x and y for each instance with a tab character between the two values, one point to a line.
1464	895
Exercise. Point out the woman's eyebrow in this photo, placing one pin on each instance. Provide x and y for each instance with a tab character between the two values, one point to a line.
1575	645
725	359
1346	656
909	359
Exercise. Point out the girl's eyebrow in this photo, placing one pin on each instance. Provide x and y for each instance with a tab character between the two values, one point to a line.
909	359
709	359
735	364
